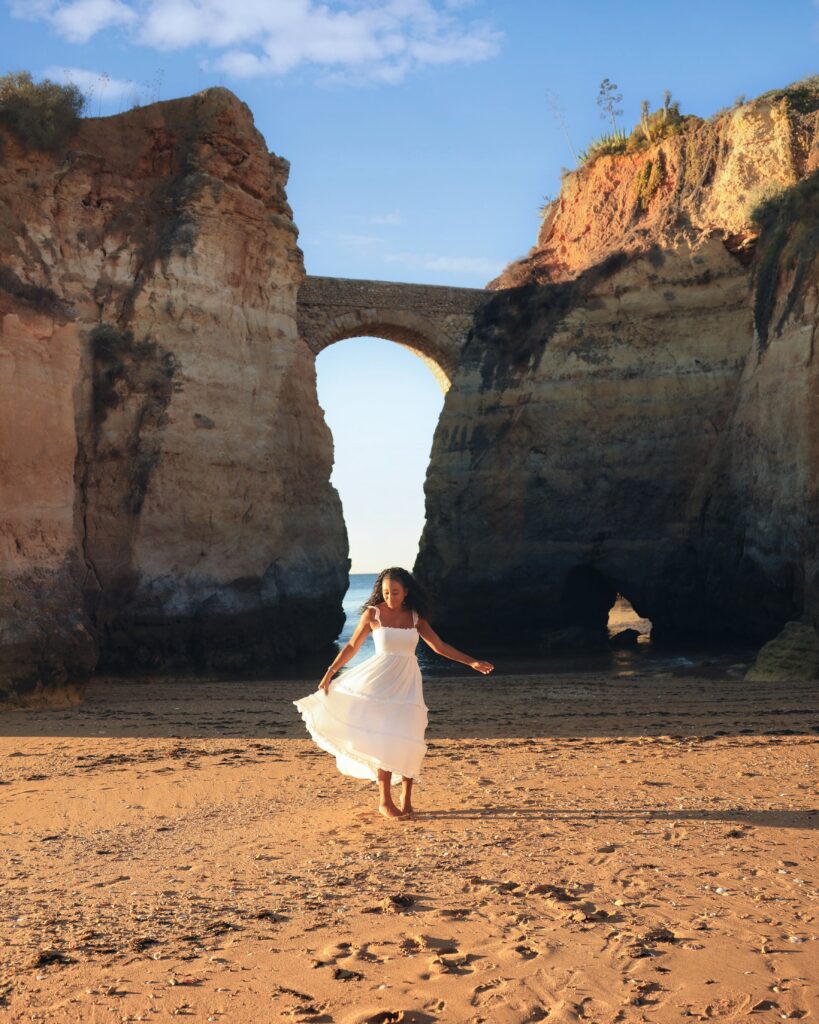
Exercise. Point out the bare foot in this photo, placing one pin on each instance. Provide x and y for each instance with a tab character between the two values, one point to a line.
406	809
389	811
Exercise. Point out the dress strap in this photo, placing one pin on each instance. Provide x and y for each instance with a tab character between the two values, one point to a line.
414	617
377	613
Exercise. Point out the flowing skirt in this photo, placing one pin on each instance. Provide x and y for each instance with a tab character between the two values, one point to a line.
373	717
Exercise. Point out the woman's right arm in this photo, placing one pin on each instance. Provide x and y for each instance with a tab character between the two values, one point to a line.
349	650
428	634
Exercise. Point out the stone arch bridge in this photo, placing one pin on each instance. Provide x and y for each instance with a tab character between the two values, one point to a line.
431	320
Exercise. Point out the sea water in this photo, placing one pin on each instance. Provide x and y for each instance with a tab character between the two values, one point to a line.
358	594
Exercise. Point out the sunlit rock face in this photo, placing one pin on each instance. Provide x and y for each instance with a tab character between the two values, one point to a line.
636	410
165	464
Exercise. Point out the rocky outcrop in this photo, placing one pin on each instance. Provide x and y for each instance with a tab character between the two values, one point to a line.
636	410
633	411
165	464
790	657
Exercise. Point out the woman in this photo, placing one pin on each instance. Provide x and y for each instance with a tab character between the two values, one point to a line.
374	718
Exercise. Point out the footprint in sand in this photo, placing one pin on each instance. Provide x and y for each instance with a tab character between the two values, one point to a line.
419	943
362	952
453	965
330	955
488	992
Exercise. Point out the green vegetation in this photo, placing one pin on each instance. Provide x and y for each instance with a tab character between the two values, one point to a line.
803	95
615	140
653	127
41	115
651	176
790	237
548	202
604	145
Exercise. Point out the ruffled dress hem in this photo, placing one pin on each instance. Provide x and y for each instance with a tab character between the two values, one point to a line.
370	763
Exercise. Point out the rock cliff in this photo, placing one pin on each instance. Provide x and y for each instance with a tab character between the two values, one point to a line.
637	408
164	467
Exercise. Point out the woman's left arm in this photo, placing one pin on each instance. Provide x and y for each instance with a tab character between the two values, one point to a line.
428	634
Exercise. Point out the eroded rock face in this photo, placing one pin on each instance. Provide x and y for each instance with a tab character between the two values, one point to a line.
622	420
148	298
635	410
791	656
45	636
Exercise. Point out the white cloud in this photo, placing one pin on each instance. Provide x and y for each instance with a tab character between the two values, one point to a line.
343	40
76	20
449	264
94	84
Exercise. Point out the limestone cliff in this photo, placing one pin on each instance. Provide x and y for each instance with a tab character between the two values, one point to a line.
633	410
636	409
164	466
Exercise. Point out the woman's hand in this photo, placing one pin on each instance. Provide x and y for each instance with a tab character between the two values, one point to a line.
482	666
360	634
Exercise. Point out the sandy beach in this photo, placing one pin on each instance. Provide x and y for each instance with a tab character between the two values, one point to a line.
585	848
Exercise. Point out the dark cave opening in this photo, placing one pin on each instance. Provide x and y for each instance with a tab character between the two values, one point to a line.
593	602
587	597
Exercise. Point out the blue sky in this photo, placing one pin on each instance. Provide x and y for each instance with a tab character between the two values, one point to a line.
422	144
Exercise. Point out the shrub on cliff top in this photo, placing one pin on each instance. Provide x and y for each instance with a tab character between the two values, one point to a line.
653	127
605	145
658	125
42	115
802	95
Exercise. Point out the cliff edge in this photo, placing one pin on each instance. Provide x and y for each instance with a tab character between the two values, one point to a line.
637	408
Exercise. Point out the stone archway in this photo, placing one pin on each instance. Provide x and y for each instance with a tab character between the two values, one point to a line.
431	320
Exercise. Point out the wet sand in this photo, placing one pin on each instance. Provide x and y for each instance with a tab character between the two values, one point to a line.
584	848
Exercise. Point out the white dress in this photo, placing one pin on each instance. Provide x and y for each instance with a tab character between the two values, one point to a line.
374	715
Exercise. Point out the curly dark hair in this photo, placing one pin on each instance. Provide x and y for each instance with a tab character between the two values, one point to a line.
417	598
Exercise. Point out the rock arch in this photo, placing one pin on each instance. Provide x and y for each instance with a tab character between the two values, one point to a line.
431	320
